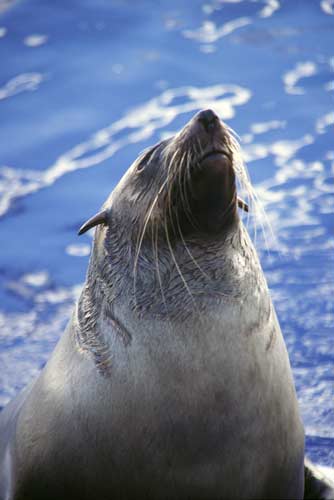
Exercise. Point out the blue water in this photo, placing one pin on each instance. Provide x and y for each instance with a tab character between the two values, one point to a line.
85	85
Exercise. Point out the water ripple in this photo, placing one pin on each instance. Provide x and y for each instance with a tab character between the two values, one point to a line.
35	40
138	124
209	33
270	7
301	70
324	122
21	83
327	6
28	338
78	250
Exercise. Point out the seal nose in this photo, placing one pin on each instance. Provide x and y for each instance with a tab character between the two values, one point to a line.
208	119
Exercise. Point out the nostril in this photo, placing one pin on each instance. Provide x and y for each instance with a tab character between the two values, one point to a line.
208	119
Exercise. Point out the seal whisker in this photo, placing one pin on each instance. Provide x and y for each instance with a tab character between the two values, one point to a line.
185	169
186	184
233	133
246	185
177	265
178	175
169	208
172	176
188	251
180	178
141	238
156	259
170	163
186	188
175	176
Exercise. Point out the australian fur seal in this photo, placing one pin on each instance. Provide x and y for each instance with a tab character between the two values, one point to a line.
172	379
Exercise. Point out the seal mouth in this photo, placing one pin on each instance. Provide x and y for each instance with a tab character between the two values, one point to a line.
215	154
209	173
212	166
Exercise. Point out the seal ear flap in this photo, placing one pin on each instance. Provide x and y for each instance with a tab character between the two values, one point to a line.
100	218
242	204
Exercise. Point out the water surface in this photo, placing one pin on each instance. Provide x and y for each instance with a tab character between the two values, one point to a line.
85	85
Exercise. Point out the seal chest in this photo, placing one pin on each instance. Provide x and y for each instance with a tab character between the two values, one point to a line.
172	379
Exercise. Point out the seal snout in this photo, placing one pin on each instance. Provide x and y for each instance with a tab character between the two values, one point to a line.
206	129
213	158
203	186
208	119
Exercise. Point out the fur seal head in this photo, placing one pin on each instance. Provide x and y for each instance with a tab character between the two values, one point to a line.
188	180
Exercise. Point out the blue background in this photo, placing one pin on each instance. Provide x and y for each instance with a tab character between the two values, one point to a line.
85	85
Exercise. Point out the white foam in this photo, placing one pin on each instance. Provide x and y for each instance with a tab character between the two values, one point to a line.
36	331
210	33
21	83
38	279
324	122
328	472
35	40
285	150
78	250
301	70
281	150
261	128
327	6
270	7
